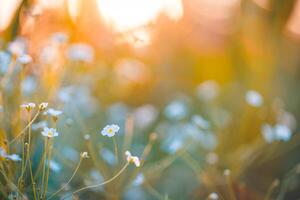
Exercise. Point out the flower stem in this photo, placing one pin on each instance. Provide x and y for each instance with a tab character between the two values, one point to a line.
70	179
116	149
100	184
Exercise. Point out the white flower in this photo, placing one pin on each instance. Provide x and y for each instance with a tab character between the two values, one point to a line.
110	130
213	196
14	157
28	106
84	155
81	52
132	159
254	98
279	132
18	46
24	59
49	132
43	106
53	112
208	90
201	122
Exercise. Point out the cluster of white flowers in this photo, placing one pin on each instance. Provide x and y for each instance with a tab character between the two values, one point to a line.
30	106
279	132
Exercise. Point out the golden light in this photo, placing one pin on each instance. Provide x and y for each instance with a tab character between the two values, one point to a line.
125	15
7	11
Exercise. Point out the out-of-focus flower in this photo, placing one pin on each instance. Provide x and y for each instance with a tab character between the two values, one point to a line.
213	196
43	106
29	85
176	110
139	180
278	132
208	90
110	130
50	132
28	106
48	54
59	37
53	113
5	59
55	166
84	155
17	47
14	157
81	52
253	98
132	159
145	115
201	122
24	59
39	125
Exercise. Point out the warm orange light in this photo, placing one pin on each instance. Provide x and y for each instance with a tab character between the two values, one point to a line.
124	15
7	11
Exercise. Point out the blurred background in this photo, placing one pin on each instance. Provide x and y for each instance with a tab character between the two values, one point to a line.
215	80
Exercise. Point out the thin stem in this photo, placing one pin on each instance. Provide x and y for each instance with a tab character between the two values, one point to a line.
230	188
24	130
274	184
44	167
100	184
28	157
48	170
116	149
71	178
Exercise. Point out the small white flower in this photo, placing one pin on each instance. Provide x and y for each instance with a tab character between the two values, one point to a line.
84	155
81	52
28	106
53	112
279	132
208	90
43	106
254	98
18	46
14	157
213	196
110	130
50	132
24	59
132	159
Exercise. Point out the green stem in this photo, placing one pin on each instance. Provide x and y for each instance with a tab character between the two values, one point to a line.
100	184
71	178
116	149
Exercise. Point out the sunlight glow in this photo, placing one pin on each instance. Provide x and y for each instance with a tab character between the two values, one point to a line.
7	11
124	15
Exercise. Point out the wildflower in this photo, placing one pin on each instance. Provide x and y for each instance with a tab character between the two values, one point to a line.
87	137
254	98
176	110
201	122
28	106
132	159
110	130
18	46
213	196
14	157
81	52
139	180
24	59
208	90
84	155
278	132
53	113
49	132
59	37
43	106
39	125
